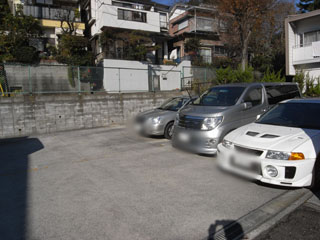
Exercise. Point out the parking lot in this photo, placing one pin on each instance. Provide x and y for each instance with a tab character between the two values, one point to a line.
112	184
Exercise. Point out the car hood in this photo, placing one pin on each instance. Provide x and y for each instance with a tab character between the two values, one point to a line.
156	113
278	138
202	111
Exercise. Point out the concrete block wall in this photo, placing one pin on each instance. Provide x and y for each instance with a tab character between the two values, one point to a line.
40	114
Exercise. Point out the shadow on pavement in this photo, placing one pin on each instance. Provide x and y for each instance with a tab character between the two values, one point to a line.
225	229
14	164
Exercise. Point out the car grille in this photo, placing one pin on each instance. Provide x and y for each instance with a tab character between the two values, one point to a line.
249	151
190	121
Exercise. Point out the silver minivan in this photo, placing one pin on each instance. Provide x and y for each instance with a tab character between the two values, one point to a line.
201	125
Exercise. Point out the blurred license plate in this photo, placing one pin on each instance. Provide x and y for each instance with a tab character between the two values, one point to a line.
243	162
184	137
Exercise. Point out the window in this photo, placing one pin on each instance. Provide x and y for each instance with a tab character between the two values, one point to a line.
46	2
310	37
206	55
220	96
278	93
254	96
183	25
220	50
163	20
132	15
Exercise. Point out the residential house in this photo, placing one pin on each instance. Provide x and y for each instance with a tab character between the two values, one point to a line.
200	22
50	14
123	17
303	43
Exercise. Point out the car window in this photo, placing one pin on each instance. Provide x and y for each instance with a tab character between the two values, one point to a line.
254	96
278	93
220	96
172	104
286	114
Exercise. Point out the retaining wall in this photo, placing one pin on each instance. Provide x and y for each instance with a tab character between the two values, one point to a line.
39	114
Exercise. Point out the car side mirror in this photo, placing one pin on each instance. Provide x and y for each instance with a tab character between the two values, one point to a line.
258	117
247	105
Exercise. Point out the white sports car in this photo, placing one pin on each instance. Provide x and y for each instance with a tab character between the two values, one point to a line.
282	147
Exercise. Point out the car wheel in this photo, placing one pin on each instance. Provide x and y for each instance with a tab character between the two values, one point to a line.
315	185
168	131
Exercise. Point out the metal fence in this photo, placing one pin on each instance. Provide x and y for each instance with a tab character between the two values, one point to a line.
40	79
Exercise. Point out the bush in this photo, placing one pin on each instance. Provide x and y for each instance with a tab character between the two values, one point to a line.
229	75
310	86
273	77
225	75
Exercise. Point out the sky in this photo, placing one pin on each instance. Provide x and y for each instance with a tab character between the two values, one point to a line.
166	2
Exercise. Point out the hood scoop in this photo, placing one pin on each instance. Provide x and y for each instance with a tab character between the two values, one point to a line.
252	134
269	136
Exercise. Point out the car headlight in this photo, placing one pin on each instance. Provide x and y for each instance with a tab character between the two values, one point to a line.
278	155
211	123
227	144
156	120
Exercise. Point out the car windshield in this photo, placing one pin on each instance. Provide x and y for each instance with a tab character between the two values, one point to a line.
173	104
300	115
220	96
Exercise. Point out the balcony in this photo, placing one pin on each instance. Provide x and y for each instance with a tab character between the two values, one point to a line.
40	12
204	24
304	54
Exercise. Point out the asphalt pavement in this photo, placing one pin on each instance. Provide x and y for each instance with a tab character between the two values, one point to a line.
112	184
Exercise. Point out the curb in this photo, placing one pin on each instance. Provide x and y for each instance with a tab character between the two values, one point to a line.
263	218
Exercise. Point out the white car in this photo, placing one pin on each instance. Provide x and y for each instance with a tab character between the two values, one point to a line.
282	147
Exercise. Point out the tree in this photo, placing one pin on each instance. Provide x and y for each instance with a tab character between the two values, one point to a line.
68	21
72	50
243	17
4	10
134	44
308	5
16	32
267	44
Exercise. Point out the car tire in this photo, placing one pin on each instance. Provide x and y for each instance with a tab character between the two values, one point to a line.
315	185
168	130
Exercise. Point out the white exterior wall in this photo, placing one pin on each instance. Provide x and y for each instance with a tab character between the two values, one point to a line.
136	78
292	43
301	58
106	15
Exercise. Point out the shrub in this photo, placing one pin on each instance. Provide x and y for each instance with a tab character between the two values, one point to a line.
310	86
225	75
229	75
273	77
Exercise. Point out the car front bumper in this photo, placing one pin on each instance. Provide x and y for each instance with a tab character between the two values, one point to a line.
148	128
290	173
197	141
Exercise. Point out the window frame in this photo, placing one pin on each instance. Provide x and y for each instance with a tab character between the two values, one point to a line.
143	15
247	95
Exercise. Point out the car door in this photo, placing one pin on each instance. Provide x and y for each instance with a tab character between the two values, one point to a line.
255	96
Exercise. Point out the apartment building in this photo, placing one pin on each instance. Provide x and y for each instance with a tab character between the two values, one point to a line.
124	17
303	43
202	22
50	13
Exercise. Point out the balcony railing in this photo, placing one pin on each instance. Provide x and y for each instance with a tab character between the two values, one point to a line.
302	54
163	25
204	25
49	13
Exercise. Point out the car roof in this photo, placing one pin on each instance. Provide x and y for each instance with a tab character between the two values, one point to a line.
303	100
256	84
